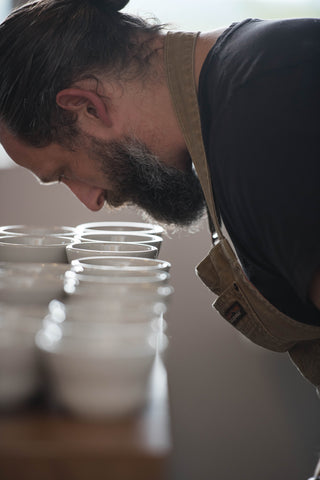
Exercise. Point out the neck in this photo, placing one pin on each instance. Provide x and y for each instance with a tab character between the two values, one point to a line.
157	124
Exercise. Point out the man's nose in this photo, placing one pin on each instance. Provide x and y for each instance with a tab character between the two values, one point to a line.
91	197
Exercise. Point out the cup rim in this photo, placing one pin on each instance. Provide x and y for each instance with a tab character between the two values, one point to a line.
145	237
3	229
155	264
158	277
82	246
122	224
4	243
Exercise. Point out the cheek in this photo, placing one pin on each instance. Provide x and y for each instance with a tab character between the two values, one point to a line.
92	174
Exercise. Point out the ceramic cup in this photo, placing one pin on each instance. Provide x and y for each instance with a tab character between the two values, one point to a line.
130	227
37	230
101	371
119	237
43	270
101	281
119	264
34	249
26	288
19	370
79	250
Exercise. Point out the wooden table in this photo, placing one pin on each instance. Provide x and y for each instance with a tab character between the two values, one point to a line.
42	445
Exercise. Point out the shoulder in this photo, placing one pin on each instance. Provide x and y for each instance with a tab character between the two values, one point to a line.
268	40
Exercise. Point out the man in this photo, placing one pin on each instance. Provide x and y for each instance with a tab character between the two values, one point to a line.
84	100
132	117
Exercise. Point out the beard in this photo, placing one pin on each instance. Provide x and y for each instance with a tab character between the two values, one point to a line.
168	195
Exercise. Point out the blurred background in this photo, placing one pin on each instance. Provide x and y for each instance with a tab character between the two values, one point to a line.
237	410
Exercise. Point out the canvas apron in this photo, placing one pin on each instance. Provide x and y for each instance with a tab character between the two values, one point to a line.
239	302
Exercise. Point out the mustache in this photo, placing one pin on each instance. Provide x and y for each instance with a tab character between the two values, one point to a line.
114	200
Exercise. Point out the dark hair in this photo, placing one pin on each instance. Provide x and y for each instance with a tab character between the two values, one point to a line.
47	45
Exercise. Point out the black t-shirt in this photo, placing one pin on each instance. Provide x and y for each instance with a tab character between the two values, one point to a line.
259	97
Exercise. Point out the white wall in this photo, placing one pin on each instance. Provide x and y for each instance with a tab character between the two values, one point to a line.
4	9
208	14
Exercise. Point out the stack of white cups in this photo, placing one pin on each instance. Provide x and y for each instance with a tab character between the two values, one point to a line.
103	331
25	290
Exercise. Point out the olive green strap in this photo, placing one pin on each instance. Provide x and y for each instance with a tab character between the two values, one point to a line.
179	60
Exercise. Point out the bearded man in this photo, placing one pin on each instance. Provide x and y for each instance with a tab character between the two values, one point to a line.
86	99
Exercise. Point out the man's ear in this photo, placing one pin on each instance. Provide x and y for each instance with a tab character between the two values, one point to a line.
84	102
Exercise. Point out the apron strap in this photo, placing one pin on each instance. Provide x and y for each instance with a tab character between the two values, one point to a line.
238	300
181	81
